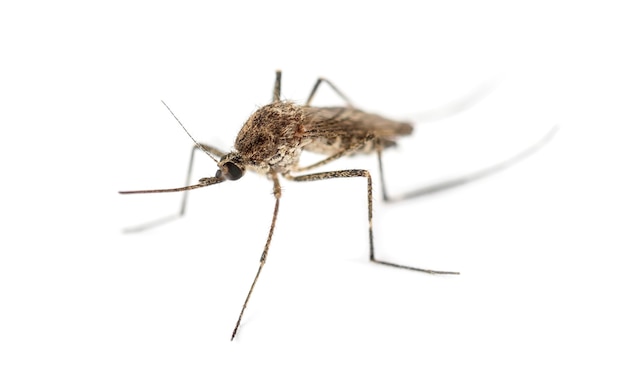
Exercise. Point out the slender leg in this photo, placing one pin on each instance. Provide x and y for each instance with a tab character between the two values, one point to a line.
203	147
363	174
183	204
276	95
277	194
317	84
465	179
337	155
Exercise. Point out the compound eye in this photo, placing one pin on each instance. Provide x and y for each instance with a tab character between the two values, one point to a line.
232	171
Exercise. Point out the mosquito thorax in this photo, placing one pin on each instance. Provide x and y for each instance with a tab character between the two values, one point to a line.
272	137
230	167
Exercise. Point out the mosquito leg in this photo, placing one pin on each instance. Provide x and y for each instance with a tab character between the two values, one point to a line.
276	94
362	174
347	151
277	194
203	147
336	89
464	179
183	204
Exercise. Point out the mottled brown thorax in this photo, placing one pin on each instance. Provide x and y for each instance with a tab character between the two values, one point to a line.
272	138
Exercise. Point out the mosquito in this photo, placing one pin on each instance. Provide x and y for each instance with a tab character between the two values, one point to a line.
272	139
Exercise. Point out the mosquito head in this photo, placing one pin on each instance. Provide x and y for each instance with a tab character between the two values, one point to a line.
230	167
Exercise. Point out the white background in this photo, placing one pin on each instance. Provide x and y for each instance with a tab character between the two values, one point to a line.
540	295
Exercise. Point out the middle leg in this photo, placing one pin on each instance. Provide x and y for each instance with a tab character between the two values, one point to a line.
362	174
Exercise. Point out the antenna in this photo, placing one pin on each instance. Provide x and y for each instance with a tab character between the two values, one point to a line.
192	138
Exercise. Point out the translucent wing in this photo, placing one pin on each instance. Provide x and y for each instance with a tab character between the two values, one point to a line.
335	128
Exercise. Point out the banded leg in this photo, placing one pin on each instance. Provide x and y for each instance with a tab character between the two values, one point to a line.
362	174
183	204
277	194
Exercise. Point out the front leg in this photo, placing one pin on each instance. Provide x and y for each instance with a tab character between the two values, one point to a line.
277	194
185	189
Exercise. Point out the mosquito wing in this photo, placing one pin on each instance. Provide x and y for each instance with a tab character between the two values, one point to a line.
331	129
